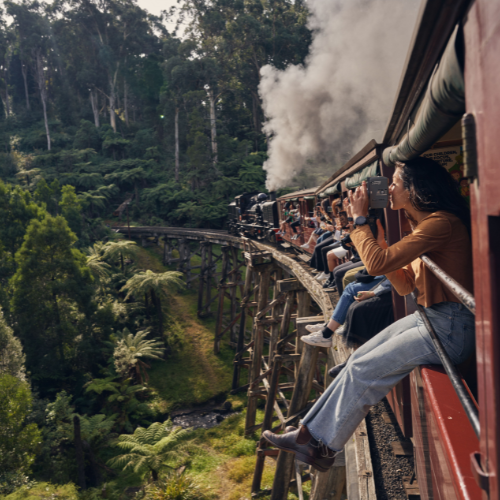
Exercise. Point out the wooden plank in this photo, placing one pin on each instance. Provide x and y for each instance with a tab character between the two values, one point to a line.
400	449
289	285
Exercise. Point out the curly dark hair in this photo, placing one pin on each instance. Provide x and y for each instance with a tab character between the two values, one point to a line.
432	188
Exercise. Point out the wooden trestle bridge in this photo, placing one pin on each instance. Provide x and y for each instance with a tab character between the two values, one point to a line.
265	296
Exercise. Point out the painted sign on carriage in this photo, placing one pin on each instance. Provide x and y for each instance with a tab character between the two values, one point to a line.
453	160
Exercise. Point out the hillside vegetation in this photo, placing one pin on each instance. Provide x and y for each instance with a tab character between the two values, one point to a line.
106	115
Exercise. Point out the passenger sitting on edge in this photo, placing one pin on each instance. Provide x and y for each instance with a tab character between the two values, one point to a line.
319	224
431	200
286	219
296	221
326	210
369	315
321	335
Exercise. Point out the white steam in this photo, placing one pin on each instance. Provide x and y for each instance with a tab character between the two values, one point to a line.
328	109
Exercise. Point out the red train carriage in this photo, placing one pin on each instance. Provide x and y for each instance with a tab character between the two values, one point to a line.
448	108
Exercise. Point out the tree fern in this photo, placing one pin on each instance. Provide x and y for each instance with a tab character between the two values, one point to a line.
152	449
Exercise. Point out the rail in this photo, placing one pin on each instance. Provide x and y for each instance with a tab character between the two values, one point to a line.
468	301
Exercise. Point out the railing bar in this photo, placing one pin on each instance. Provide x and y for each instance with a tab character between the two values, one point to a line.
456	288
452	372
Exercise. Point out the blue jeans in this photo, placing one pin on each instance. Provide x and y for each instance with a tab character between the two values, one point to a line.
325	235
347	298
377	366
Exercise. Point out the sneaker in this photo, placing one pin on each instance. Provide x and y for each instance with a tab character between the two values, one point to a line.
317	340
305	245
315	328
321	277
328	283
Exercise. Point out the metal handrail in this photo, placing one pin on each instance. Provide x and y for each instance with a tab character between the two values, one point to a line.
456	288
468	301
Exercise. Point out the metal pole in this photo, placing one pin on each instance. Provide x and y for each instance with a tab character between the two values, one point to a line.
452	372
458	290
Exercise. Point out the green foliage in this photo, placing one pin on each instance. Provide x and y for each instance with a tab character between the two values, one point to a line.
131	350
19	441
71	209
120	401
11	352
51	294
175	487
45	491
151	450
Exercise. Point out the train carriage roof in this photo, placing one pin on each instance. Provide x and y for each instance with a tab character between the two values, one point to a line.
299	194
366	156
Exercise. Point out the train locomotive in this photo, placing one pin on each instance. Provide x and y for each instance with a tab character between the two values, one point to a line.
254	215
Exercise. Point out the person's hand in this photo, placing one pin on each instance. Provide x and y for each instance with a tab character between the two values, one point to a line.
363	296
359	201
345	202
330	228
381	235
338	227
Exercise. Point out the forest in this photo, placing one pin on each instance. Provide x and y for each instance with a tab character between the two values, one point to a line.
102	107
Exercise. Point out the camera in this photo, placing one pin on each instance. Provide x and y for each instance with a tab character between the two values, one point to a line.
378	194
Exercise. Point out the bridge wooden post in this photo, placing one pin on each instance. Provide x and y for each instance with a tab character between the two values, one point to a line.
242	328
202	278
186	264
222	296
235	276
258	340
208	278
167	251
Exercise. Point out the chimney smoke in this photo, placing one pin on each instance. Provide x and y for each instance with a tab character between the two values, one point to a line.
323	112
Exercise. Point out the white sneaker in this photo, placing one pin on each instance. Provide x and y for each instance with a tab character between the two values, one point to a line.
315	328
317	340
305	245
321	277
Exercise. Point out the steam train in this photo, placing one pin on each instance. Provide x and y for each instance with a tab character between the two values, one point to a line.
254	215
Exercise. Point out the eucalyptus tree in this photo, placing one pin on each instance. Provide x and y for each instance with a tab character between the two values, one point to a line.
119	30
32	24
6	50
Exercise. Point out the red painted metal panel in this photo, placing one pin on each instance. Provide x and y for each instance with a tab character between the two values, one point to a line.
482	84
443	438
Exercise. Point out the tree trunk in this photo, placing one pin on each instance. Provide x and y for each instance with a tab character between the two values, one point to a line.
6	100
80	457
177	144
40	77
94	101
24	69
112	114
136	194
96	475
213	126
122	262
125	101
157	302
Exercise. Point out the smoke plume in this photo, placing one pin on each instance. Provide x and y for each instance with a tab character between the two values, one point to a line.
324	112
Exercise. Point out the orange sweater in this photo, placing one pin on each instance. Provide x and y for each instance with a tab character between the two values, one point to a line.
442	237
